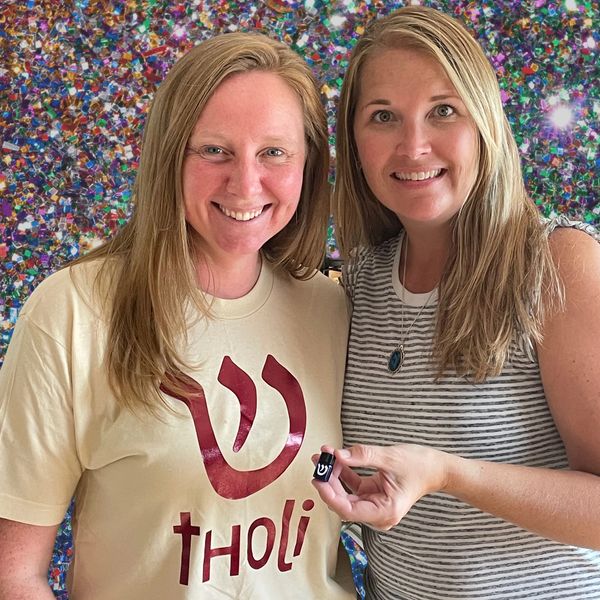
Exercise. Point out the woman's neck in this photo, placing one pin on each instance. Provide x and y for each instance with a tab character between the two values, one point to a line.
229	279
423	259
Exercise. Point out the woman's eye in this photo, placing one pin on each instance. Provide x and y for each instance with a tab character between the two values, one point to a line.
274	152
382	116
212	150
213	153
444	110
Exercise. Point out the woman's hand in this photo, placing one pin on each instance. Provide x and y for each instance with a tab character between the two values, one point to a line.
403	474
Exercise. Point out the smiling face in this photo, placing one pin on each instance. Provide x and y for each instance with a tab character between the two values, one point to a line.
242	174
417	144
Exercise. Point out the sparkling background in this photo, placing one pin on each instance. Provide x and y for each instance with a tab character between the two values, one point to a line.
76	78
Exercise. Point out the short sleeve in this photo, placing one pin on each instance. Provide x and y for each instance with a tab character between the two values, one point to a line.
39	467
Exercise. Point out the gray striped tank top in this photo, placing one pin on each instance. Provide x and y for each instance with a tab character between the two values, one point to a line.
445	549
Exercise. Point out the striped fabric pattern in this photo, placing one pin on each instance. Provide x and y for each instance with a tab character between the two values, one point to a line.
444	549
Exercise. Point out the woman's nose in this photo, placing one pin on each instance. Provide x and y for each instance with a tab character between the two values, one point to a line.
245	178
414	140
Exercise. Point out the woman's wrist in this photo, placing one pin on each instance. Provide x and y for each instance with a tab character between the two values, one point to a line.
454	469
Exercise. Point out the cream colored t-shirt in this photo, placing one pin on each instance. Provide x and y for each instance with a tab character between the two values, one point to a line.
211	501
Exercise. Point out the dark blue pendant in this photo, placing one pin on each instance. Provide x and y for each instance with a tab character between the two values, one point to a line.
396	359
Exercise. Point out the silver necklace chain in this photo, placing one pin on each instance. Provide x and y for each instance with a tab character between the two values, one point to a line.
398	354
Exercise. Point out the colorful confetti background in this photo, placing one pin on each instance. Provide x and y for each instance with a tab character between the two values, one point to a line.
77	76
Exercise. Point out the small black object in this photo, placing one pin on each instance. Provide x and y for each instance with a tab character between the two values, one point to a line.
324	466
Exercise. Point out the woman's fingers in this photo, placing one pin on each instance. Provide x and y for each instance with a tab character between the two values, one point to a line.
374	509
402	474
361	455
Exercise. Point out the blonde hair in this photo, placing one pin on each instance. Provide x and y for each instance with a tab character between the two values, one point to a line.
153	279
500	280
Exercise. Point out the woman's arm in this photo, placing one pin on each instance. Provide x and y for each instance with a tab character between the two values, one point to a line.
570	353
25	553
562	505
557	504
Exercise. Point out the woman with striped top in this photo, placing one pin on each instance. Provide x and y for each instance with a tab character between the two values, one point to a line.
471	408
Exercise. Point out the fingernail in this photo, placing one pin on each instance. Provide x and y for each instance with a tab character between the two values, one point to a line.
344	453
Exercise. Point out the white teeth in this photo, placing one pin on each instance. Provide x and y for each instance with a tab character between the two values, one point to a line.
241	216
418	175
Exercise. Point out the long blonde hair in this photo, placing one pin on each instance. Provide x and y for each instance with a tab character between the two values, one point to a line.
500	280
150	265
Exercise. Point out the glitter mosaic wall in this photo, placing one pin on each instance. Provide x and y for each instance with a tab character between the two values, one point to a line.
77	76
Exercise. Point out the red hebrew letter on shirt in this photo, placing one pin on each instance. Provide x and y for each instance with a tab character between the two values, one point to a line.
229	482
